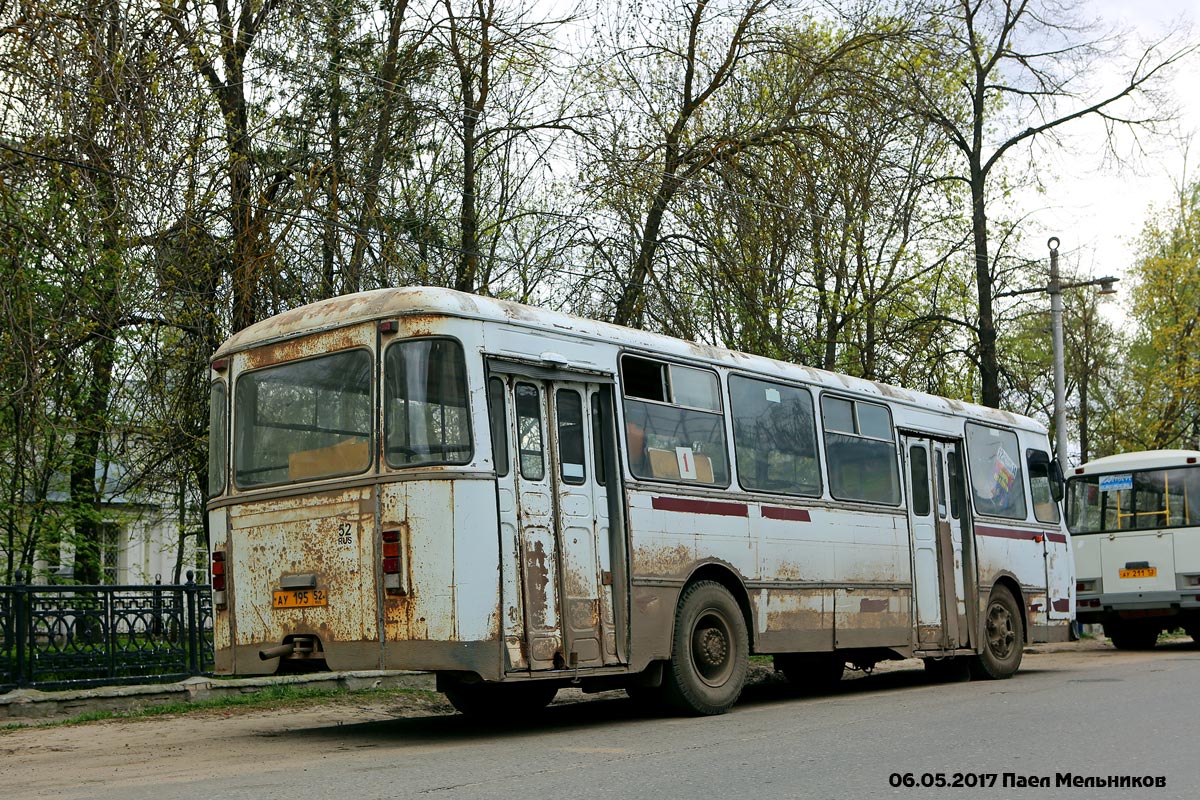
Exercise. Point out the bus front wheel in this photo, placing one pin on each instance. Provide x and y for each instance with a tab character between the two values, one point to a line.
710	651
1003	638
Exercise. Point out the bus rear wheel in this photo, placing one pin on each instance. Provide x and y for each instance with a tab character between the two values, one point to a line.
1132	637
710	651
1003	638
493	700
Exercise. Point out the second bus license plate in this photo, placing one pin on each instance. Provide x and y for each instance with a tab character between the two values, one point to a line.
299	598
1145	572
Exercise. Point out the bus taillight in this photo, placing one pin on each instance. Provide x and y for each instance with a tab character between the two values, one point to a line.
218	577
392	582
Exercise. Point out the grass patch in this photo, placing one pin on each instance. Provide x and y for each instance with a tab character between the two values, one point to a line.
267	699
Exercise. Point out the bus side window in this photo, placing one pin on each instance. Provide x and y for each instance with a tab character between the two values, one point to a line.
498	416
674	423
569	407
529	432
860	451
598	438
994	466
941	487
954	469
919	468
1044	507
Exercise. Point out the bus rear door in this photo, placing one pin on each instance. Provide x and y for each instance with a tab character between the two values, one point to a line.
554	520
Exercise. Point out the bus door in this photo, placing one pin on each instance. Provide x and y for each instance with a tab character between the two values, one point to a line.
554	519
947	485
939	580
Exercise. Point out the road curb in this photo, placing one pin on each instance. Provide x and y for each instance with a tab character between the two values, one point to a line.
33	705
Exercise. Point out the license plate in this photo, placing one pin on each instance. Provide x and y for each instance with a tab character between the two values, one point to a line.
1144	572
299	598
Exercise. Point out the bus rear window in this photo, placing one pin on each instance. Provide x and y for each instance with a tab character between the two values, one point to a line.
426	412
303	420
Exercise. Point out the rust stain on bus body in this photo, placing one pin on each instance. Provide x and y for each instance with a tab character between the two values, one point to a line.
663	562
305	347
318	542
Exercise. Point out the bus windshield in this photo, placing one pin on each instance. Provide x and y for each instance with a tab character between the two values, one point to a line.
1135	500
303	420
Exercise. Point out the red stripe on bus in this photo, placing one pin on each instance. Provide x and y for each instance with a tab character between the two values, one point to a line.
1006	533
1057	537
791	514
700	506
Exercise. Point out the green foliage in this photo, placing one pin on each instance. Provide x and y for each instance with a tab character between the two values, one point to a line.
1157	405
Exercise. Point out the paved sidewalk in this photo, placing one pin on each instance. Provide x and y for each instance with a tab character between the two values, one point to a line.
34	705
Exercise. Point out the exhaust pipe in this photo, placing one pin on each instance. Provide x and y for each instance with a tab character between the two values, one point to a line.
279	651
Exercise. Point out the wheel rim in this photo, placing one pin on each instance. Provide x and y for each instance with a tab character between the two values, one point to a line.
1000	633
711	648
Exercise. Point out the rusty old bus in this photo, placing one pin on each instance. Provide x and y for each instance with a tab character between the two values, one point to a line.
520	500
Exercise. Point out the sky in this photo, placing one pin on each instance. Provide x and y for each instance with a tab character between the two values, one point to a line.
1097	209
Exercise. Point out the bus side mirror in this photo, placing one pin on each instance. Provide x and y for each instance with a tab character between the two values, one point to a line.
1056	482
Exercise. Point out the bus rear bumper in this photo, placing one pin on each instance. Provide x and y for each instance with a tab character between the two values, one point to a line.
1111	606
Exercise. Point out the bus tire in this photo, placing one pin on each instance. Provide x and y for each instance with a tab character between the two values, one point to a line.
1133	637
495	700
811	672
710	651
1003	638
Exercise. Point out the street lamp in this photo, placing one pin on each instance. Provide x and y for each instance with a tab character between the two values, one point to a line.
1055	290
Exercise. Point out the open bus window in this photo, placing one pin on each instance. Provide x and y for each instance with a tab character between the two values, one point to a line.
218	438
1140	500
774	437
426	409
860	451
993	463
674	427
304	420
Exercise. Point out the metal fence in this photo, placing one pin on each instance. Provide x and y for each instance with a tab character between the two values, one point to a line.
59	637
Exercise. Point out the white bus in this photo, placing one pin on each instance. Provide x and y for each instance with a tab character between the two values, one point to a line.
1136	525
520	500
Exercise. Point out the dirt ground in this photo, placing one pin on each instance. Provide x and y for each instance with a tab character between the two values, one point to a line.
64	760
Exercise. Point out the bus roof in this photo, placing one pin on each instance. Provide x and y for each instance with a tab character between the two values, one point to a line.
362	307
1144	459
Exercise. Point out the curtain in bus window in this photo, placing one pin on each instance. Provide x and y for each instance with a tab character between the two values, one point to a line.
304	420
774	437
993	463
426	411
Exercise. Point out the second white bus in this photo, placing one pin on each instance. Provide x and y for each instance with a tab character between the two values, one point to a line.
1135	518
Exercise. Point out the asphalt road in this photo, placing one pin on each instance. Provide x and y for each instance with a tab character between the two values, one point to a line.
1088	712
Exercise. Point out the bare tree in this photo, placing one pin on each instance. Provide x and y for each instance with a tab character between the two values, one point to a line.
1011	73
